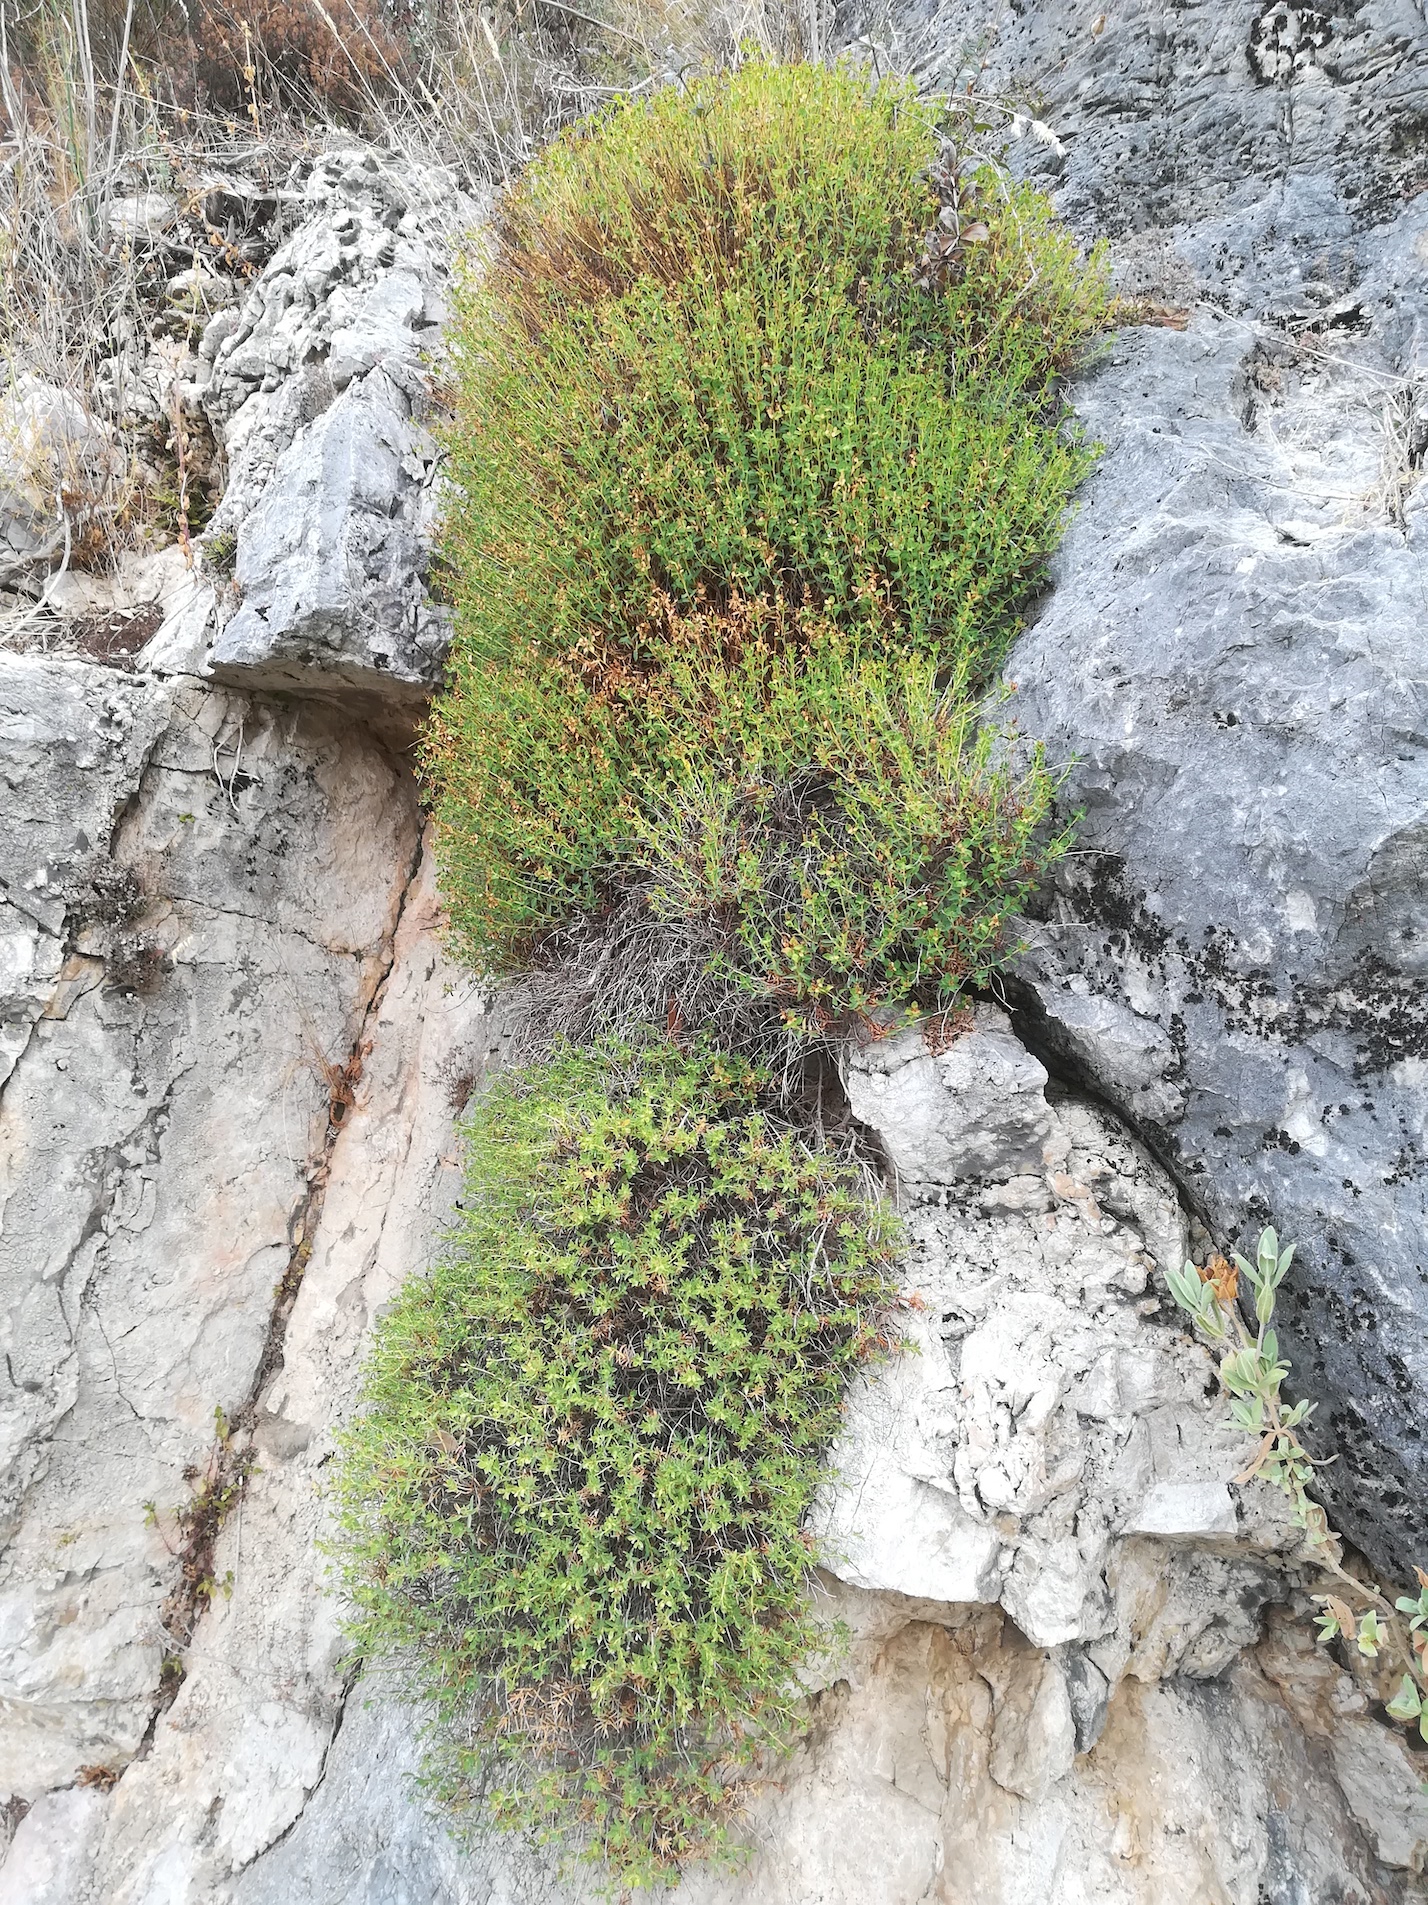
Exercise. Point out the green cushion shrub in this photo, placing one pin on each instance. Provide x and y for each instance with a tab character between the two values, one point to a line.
862	852
837	838
707	399
573	1499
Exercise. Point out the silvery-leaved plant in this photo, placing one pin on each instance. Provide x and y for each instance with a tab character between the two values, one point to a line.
1252	1374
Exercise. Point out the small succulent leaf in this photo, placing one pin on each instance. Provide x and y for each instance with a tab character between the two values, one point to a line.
1407	1703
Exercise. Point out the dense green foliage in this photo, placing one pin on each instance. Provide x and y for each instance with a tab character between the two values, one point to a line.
757	458
575	1495
717	415
853	849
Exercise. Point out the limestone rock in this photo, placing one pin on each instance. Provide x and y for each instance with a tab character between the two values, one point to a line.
316	388
1230	657
57	466
139	216
207	890
975	1109
77	741
1049	1413
330	562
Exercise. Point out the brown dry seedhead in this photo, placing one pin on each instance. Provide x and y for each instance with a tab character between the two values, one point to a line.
1223	1278
1150	312
942	1030
550	1717
101	1778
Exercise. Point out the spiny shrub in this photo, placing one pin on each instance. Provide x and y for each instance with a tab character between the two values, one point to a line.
574	1496
711	397
837	839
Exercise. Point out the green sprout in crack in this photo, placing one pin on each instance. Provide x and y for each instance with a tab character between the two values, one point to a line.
1252	1375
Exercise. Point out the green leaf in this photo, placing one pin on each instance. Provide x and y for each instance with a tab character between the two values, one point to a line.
1407	1703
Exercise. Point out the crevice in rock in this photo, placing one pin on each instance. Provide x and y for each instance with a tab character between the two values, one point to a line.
1037	1033
349	1687
220	1486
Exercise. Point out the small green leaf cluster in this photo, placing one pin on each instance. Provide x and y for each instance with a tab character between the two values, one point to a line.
573	1498
727	460
1252	1375
859	848
1410	1703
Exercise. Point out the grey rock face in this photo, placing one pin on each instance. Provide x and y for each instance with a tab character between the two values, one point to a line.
330	562
201	895
1232	658
1236	957
74	743
976	1109
1048	1414
58	467
316	388
1084	1708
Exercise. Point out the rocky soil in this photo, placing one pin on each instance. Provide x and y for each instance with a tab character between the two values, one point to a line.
1078	1665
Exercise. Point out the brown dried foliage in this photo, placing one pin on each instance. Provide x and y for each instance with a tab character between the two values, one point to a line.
294	54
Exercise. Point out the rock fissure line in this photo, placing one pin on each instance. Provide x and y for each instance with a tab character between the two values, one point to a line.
349	1685
232	1459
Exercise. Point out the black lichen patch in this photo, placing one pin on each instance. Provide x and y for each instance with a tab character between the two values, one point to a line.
1286	39
1100	893
1384	1011
1381	1010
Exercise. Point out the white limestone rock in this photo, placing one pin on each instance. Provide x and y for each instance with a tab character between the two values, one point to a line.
316	387
214	882
974	1110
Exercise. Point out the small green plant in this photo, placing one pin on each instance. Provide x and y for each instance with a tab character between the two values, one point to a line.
1252	1373
573	1500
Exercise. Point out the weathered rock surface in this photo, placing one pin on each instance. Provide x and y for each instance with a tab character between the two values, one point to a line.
1066	1676
1232	657
971	1110
1078	1667
233	1761
58	467
316	388
1046	1416
202	907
